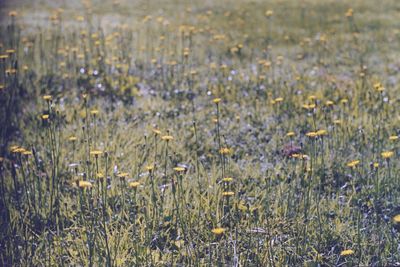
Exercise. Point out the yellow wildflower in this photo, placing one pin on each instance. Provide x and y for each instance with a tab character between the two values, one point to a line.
96	153
218	231
312	134
225	151
387	154
321	132
122	174
312	97
167	138
149	168
290	134
329	103
27	153
156	131
179	169
217	100
227	179
309	106
134	184
299	156
353	163
84	184
269	13
228	194
349	13
94	112
72	138
347	252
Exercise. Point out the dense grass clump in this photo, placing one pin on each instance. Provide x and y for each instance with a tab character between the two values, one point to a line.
240	133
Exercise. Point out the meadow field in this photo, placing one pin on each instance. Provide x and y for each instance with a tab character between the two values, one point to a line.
200	133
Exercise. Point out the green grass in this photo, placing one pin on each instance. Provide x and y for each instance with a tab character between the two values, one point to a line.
124	76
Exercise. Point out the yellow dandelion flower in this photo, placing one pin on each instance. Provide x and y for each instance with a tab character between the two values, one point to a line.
376	165
289	134
329	103
96	153
321	132
312	134
134	184
167	137
149	168
299	156
349	13
217	100
218	231
312	97
83	114
242	207
72	138
393	138
278	100
227	179
309	106
353	163
94	112
228	194
122	174
156	131
225	151
100	175
269	13
84	184
344	100
19	150
27	153
13	148
347	252
387	154
47	97
45	116
396	218
179	169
